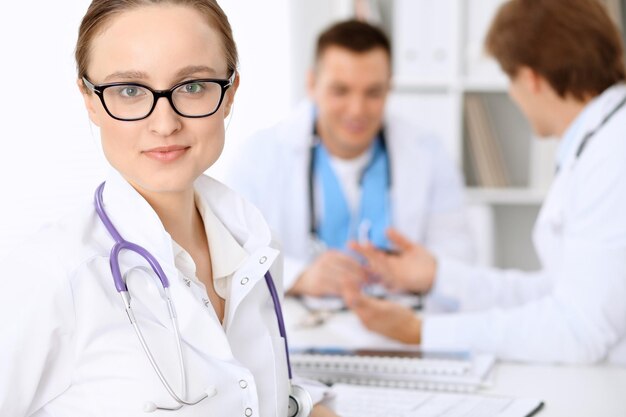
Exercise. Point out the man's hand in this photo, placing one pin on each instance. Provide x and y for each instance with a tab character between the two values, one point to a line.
326	275
411	268
384	317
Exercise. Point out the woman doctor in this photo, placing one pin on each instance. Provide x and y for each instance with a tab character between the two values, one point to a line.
565	60
197	329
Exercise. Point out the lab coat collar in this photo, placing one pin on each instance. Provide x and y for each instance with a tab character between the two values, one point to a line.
138	223
592	116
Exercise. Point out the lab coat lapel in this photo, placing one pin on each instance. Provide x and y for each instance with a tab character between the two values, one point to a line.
294	190
251	274
199	326
408	178
196	321
248	227
138	223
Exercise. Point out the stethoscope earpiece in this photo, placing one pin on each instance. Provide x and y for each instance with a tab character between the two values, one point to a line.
149	407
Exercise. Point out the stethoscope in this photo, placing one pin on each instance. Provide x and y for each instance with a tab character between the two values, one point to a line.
300	403
317	246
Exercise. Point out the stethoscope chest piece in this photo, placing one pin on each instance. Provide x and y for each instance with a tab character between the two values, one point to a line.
300	403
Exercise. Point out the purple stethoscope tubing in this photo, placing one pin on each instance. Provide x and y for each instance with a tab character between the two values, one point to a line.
120	284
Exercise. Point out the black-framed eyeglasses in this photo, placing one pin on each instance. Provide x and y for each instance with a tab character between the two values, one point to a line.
132	101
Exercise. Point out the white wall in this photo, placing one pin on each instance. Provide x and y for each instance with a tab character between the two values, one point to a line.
50	157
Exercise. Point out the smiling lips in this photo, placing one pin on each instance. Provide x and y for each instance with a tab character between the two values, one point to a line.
166	153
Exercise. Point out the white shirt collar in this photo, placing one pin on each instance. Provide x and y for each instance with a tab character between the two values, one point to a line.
227	255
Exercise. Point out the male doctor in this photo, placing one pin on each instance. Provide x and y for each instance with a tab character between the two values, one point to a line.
337	169
565	61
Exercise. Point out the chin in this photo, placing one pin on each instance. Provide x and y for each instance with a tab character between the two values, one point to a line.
163	184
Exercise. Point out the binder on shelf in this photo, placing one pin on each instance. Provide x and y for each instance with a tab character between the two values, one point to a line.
485	151
424	35
442	371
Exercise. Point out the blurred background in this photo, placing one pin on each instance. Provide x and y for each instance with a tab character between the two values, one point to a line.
50	158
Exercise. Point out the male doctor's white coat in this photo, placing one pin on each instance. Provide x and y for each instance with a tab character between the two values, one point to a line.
426	195
574	309
68	349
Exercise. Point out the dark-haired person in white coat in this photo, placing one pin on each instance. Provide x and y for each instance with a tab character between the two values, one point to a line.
339	169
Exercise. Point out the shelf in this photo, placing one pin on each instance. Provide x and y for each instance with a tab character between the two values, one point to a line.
483	86
504	196
445	86
403	84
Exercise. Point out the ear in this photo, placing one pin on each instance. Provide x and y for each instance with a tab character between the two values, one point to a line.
230	96
88	99
532	80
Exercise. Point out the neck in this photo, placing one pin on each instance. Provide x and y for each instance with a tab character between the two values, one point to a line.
568	110
179	215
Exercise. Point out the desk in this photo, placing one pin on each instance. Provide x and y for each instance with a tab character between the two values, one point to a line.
567	391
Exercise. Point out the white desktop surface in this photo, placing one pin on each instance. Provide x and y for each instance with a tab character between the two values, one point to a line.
567	391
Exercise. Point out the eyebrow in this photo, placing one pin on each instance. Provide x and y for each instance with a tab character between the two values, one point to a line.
139	75
126	74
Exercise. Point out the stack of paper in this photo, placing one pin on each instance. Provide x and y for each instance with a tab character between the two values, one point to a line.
446	371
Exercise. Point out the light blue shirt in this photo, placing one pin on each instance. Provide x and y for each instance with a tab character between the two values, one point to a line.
570	137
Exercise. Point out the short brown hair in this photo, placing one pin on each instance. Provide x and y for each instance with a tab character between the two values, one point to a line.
572	43
101	11
353	35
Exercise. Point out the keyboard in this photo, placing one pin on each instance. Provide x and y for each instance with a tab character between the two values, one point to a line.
367	401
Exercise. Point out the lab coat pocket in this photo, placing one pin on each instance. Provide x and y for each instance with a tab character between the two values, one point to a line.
281	375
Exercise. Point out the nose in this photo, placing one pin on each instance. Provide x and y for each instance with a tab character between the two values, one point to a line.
164	121
356	105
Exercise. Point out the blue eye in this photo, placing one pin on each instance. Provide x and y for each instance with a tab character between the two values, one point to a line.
130	91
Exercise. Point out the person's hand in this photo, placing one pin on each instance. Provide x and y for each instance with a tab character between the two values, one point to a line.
411	268
321	410
384	317
327	273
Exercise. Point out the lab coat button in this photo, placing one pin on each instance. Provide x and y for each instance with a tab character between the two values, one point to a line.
187	282
206	302
263	260
243	384
244	280
248	412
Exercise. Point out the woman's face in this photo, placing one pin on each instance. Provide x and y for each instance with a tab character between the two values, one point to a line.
159	46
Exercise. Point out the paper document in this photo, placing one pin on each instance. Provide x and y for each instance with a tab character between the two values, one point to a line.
357	401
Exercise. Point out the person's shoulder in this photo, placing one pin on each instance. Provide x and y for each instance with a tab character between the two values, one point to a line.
605	149
408	135
66	242
290	132
58	249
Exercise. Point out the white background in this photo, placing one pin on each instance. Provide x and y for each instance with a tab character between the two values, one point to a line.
50	158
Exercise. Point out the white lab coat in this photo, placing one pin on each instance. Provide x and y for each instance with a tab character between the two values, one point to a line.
67	346
574	309
426	196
